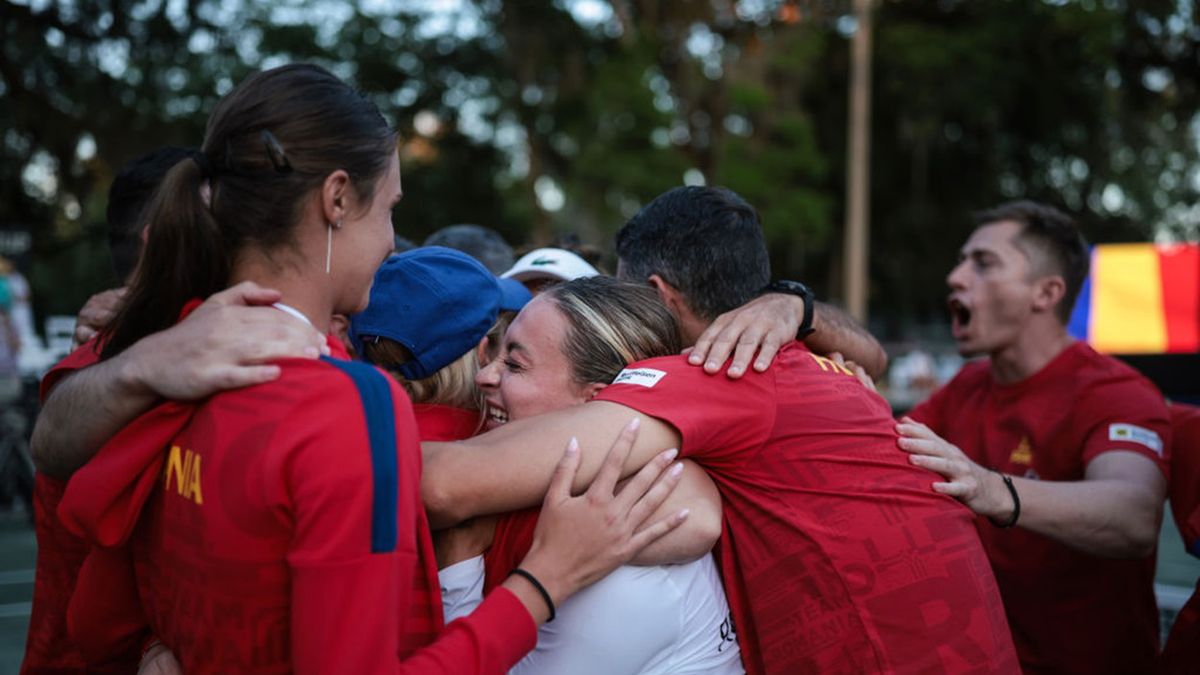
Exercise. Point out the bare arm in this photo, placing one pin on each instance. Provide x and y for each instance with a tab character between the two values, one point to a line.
1115	511
766	323
510	468
694	539
224	344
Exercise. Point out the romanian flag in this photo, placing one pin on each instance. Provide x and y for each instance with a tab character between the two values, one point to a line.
1141	299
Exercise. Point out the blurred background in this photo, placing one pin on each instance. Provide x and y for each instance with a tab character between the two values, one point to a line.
546	118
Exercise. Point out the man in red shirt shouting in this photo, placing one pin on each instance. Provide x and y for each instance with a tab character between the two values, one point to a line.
1063	449
836	556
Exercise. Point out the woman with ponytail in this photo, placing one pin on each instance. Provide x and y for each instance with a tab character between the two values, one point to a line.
279	527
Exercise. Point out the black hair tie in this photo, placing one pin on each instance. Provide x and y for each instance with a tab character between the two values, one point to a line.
207	170
275	153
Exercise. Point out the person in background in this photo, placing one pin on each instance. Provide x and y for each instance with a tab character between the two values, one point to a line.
545	267
481	243
1063	450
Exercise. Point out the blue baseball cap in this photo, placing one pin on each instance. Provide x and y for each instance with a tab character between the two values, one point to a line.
513	295
437	302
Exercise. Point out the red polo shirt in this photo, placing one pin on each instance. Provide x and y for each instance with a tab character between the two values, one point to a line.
836	555
1069	611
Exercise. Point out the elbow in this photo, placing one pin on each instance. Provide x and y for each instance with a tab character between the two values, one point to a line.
440	503
1140	541
43	458
700	533
708	529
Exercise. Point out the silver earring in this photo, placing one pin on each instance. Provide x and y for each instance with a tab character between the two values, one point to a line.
328	247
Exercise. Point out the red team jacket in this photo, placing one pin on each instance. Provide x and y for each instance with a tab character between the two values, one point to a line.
836	555
1070	612
48	648
276	528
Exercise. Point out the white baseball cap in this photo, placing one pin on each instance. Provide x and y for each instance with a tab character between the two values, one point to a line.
550	263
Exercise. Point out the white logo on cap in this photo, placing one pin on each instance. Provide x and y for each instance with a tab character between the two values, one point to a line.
643	377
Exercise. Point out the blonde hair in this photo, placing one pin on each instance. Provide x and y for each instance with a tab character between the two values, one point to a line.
453	385
611	324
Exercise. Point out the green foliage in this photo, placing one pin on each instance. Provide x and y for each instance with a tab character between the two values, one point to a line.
1091	105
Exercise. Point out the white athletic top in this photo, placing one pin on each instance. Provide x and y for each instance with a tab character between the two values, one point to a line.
646	620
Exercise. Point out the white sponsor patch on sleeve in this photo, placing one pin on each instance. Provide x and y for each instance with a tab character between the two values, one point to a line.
643	377
1136	434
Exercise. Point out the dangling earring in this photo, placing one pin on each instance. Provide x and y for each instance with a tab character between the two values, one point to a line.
329	245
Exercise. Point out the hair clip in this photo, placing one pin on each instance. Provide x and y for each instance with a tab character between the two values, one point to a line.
275	152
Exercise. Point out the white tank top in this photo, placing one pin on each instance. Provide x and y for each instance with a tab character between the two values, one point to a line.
644	620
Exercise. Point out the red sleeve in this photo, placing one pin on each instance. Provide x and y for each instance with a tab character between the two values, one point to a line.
86	355
105	616
1185	473
350	600
1128	414
717	417
510	545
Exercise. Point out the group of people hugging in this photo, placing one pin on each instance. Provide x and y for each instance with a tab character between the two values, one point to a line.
289	448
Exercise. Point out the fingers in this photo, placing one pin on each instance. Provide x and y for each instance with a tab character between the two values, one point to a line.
941	465
955	489
645	481
717	352
704	344
770	348
82	334
661	488
862	376
921	446
913	429
837	358
657	530
747	346
235	377
564	474
614	463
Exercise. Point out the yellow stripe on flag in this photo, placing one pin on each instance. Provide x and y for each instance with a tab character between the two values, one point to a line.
1127	304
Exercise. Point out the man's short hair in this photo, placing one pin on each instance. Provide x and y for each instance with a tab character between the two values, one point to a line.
481	243
128	197
1055	234
707	242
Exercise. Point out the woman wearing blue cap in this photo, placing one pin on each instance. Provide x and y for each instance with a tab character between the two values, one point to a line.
278	527
431	307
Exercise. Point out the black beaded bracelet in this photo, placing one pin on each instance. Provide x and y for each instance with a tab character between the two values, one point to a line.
540	589
1016	503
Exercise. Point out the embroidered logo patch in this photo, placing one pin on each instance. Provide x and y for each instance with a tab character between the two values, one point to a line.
1136	434
643	377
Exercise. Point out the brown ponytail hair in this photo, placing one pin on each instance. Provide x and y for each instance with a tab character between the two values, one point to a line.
268	144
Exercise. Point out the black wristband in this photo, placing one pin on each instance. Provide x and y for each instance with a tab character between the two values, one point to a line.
805	293
1012	490
540	589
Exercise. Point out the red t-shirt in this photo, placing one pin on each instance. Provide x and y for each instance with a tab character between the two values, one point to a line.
48	648
1181	654
836	555
1069	611
269	538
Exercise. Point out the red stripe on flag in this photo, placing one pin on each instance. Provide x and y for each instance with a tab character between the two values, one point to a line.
1180	268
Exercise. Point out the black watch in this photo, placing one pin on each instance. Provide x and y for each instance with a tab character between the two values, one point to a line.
805	293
